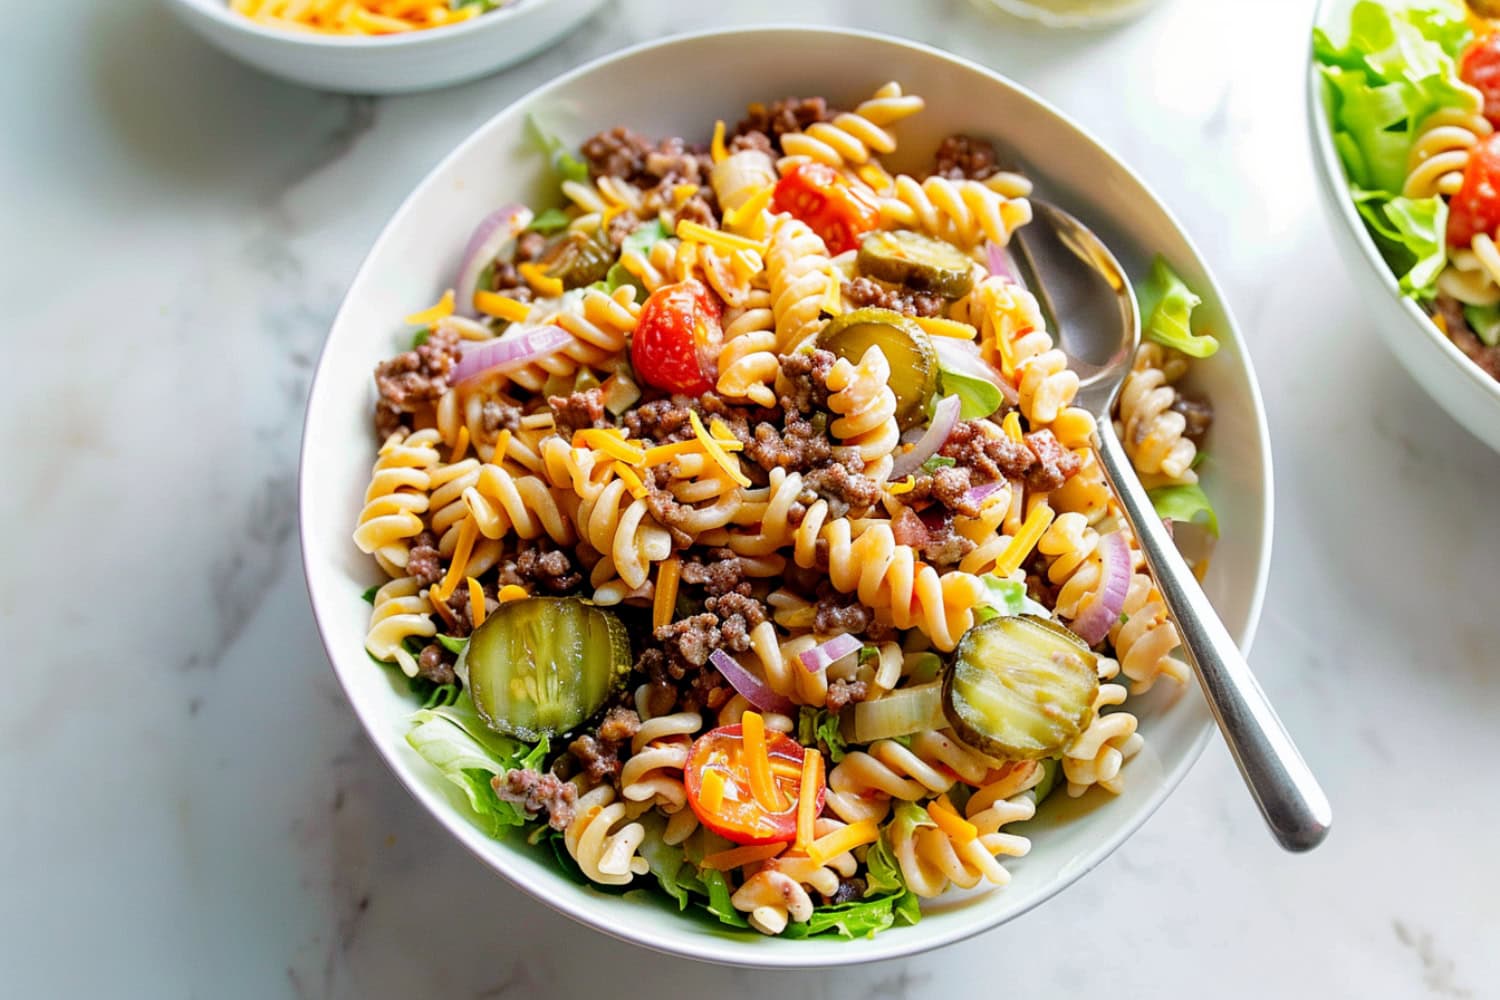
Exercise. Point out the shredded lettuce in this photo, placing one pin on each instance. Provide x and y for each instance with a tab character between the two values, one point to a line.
1185	503
567	166
882	874
937	462
925	667
818	727
1485	322
452	643
1396	68
1411	234
1167	303
976	397
886	902
551	221
453	739
369	595
677	877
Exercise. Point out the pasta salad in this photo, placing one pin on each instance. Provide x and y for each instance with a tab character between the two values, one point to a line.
744	545
1413	98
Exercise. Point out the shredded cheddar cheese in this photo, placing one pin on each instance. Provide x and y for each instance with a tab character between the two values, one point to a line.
715	449
1008	354
460	445
750	215
467	533
511	592
664	601
682	192
716	148
666	452
728	242
807	797
441	309
875	176
497	305
354	17
758	762
1020	547
939	327
723	861
948	820
846	838
613	445
833	299
711	790
502	446
1011	424
904	486
632	481
540	281
476	602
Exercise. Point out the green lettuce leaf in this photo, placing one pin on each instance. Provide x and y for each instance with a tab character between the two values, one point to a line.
567	166
453	739
856	920
677	877
882	874
937	462
369	595
1185	503
1167	304
718	902
1411	234
1485	322
977	397
553	220
818	727
925	667
1396	68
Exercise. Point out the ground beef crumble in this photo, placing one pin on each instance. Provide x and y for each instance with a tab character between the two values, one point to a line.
535	793
1452	313
848	491
806	378
1199	414
844	693
862	291
790	114
723	572
988	457
963	157
541	568
425	562
598	754
578	411
435	664
414	378
1054	463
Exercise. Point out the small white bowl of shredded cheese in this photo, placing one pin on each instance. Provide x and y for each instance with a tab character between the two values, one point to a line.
365	48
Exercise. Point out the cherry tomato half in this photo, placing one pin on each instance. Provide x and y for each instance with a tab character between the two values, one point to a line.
1480	68
738	816
676	343
1475	208
832	208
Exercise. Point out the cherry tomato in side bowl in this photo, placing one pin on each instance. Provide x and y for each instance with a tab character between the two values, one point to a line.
720	788
677	340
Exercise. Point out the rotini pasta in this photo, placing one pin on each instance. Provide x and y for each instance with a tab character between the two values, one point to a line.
396	498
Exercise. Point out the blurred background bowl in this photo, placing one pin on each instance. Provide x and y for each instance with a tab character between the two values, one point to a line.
1459	386
388	64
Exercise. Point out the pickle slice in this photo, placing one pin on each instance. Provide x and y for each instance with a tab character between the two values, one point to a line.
1021	688
544	665
919	262
577	260
913	360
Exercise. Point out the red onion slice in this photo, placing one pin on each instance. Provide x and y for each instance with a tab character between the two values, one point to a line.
1000	263
977	495
1114	583
509	352
489	238
963	357
944	419
753	688
829	653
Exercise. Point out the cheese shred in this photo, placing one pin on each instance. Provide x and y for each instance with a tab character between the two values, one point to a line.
441	309
1020	546
758	762
846	838
715	449
664	601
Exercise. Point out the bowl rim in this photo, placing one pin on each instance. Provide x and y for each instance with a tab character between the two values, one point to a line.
886	946
219	12
1335	185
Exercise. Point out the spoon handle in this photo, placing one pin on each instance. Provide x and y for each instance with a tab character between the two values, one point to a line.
1288	795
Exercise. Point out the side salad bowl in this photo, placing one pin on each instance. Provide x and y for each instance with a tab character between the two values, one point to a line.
414	260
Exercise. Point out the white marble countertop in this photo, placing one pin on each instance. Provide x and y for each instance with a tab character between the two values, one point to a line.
190	808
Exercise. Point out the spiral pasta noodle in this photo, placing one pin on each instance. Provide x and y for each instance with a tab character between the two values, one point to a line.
1098	753
1153	433
861	395
852	137
862	784
801	280
748	365
603	839
931	858
963	212
401	612
777	892
622	528
1440	150
1145	637
396	499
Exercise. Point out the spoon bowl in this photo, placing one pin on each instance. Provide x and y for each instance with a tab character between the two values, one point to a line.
1089	305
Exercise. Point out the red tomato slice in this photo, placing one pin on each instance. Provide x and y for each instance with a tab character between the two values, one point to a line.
832	208
739	817
1475	208
676	343
1480	68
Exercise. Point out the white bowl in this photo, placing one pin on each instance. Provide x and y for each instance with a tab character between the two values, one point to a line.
389	64
1460	386
415	257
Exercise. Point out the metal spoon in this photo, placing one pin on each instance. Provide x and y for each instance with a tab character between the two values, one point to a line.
1087	298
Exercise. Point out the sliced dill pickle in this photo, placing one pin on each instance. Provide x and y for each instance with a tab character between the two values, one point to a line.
1020	688
578	259
919	262
913	360
543	666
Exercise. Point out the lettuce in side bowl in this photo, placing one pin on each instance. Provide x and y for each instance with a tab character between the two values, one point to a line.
722	465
